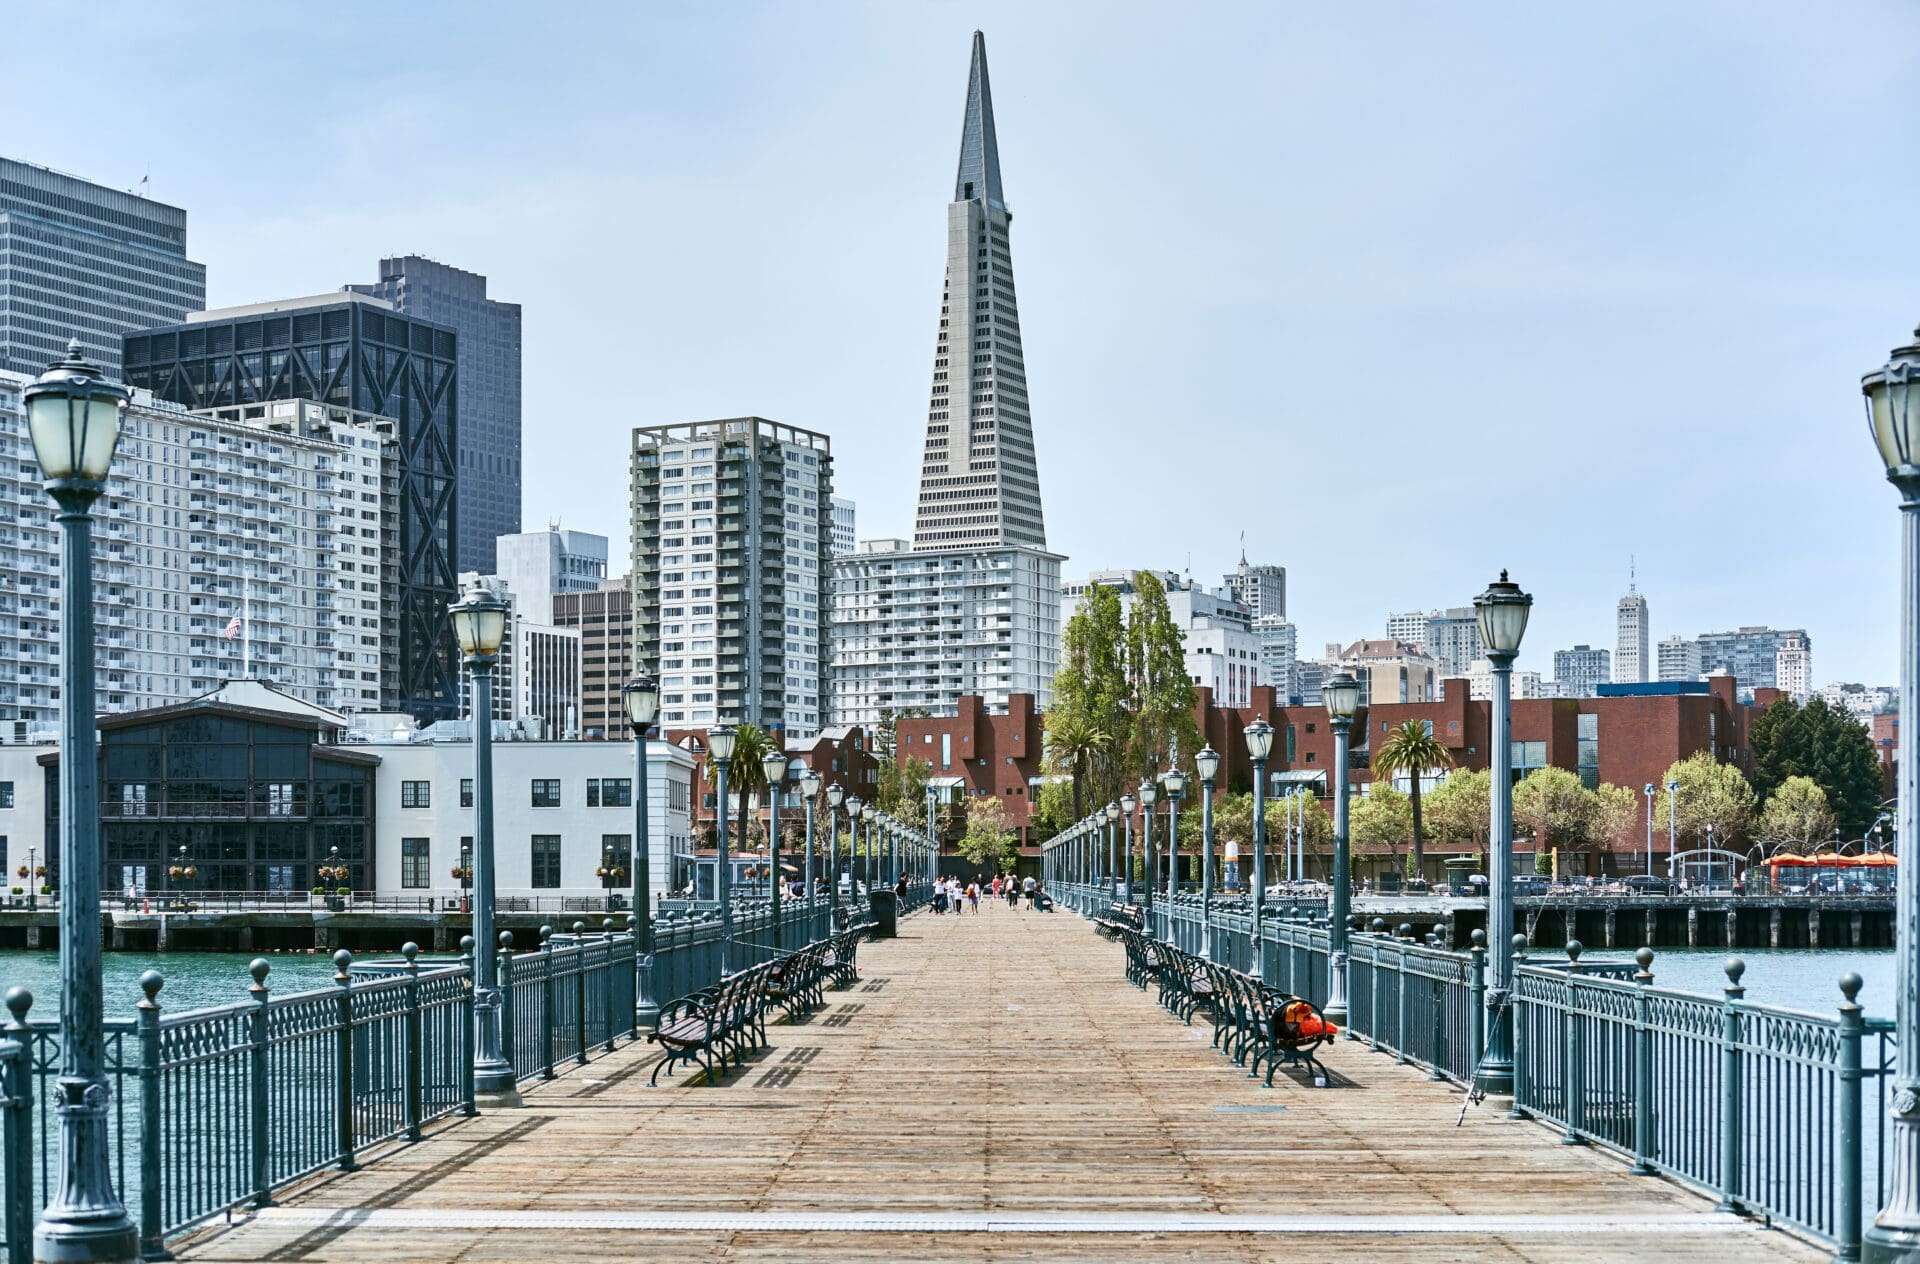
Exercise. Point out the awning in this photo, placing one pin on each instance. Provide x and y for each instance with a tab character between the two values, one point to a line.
1301	776
946	783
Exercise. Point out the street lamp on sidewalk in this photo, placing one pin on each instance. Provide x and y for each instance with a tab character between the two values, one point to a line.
1503	611
1149	793
1259	736
720	740
642	698
1341	693
479	626
773	766
1206	762
1175	783
73	416
836	795
1127	804
810	794
1113	848
1893	415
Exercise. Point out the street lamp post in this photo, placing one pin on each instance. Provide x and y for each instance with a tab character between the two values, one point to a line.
1149	792
1259	736
1113	848
836	795
1649	793
720	740
479	625
933	837
1503	611
854	810
642	697
1893	414
73	415
1207	763
810	793
1341	693
1127	803
1175	783
773	765
1673	825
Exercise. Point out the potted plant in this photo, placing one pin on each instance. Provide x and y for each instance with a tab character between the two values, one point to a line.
336	874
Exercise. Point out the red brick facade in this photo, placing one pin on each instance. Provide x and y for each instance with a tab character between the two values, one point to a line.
841	755
992	754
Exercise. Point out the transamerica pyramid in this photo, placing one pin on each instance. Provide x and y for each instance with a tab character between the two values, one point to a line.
979	484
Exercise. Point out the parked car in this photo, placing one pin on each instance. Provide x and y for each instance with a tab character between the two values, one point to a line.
1650	884
1530	884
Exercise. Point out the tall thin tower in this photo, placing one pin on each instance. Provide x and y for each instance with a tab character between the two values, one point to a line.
979	483
1631	650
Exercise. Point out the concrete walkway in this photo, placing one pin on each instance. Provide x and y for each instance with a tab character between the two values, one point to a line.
992	1089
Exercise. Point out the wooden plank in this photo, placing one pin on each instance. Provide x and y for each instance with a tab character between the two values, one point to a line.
988	1063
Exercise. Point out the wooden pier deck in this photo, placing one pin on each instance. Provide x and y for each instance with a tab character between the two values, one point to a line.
992	1090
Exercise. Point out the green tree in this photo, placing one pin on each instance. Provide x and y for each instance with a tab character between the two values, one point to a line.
1074	745
1382	817
1410	748
1711	793
903	787
1796	813
987	838
746	778
1552	805
1087	718
1616	817
1159	691
1822	743
1052	809
1459	809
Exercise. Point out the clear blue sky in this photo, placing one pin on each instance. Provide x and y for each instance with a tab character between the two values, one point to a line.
1406	296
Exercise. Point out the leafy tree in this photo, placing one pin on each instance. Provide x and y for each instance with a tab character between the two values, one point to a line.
1074	745
1796	813
1383	817
746	778
1553	806
1159	692
903	787
1616	816
1087	720
1460	808
1822	743
1711	793
1411	748
987	839
1052	809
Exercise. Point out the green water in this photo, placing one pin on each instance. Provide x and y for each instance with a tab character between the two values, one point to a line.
194	980
1798	978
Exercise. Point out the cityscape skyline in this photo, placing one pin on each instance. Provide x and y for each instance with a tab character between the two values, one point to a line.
1830	317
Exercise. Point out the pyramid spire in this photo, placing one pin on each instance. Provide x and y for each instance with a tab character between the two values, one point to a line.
979	176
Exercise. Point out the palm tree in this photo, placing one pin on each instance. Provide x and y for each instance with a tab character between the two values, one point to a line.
1073	743
1411	749
744	774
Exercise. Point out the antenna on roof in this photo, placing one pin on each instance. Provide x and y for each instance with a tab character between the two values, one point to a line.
1631	575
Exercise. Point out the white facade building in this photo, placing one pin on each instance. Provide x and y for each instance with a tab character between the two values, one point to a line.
273	520
1279	643
843	525
535	565
1262	589
1451	637
1632	638
1222	651
1678	658
1580	670
1793	666
1390	671
1524	684
1862	702
919	628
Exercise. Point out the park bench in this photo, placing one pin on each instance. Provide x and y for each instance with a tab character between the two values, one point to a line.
721	1023
794	981
1118	919
841	951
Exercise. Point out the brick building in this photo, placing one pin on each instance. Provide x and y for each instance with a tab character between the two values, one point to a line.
841	754
975	753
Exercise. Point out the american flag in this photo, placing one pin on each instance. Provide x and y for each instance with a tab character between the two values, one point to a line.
233	628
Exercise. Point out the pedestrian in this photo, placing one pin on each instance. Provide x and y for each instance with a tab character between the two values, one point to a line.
1029	886
973	897
939	897
1013	891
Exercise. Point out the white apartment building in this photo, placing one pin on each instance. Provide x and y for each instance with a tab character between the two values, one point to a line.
1524	684
1279	643
732	558
540	672
1581	670
273	518
919	628
1262	589
1862	702
1631	656
1389	671
1793	665
1451	637
1678	658
843	525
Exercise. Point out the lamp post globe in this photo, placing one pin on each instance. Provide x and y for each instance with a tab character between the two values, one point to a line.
1206	762
74	416
1259	738
836	795
1502	612
810	797
1127	804
1341	694
720	743
773	767
641	697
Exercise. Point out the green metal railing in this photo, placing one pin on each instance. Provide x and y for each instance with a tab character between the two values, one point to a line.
1765	1109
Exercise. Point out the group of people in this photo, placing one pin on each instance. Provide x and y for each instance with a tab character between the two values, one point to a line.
951	894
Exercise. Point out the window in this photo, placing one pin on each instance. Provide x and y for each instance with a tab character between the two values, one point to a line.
466	792
6	794
616	852
416	794
546	794
416	862
1587	732
615	792
593	792
546	859
1289	748
1527	756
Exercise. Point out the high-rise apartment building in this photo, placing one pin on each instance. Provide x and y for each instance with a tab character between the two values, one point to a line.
355	352
1632	637
78	260
1749	654
1793	665
1261	589
843	528
917	629
604	618
1279	643
732	554
1391	671
487	447
1678	658
537	565
979	479
1581	670
271	520
1451	637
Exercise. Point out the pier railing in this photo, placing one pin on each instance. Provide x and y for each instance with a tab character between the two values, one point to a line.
1771	1111
216	1109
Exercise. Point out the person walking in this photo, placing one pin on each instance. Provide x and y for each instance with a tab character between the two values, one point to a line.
1029	886
1013	892
973	897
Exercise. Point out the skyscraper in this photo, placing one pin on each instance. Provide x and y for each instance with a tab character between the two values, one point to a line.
1632	636
979	482
843	525
1749	654
1581	670
1793	665
730	603
1679	658
488	450
78	260
537	565
978	595
1451	636
358	353
1261	589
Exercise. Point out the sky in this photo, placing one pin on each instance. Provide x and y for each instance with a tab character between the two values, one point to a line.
1407	293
